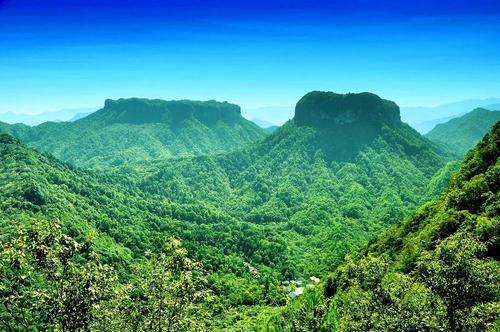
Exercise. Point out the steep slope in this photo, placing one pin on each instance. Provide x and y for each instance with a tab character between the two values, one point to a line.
38	186
461	134
136	130
327	181
438	270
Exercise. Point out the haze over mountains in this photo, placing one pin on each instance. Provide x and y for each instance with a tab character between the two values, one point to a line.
56	116
425	118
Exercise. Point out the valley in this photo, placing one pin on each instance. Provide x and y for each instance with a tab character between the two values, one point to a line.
254	216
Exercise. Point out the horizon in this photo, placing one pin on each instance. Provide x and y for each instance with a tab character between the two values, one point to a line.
98	107
60	55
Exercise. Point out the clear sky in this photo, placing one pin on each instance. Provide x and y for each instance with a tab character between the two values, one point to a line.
58	54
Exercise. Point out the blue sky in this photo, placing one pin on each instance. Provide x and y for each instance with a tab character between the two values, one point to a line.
58	54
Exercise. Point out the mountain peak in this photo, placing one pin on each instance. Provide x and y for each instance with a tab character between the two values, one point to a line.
351	110
140	111
480	110
345	122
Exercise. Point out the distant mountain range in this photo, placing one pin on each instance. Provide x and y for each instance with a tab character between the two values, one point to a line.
462	133
262	123
267	126
425	118
270	115
70	114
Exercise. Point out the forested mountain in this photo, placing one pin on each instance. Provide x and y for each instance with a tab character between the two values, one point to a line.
136	130
120	225
438	270
342	170
284	209
461	134
127	222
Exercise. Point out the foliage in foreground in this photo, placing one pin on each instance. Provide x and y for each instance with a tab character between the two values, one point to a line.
48	281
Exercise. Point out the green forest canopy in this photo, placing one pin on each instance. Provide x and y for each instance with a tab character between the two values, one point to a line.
282	209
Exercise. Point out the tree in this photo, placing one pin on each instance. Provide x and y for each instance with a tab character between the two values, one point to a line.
167	293
456	272
48	281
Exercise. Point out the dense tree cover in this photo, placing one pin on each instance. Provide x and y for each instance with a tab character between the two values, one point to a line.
127	223
136	130
322	208
461	134
288	207
51	282
438	270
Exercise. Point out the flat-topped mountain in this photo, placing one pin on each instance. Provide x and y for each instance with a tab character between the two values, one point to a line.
345	122
352	110
286	207
321	188
140	111
135	130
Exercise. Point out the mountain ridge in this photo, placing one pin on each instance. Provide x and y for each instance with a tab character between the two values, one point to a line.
141	111
460	134
136	130
277	182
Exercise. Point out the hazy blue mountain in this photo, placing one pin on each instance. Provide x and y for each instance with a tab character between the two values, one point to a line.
271	129
262	123
267	126
276	115
36	119
492	107
79	116
463	133
420	117
426	126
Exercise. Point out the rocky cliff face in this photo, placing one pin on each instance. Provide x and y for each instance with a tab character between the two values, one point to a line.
345	123
328	109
